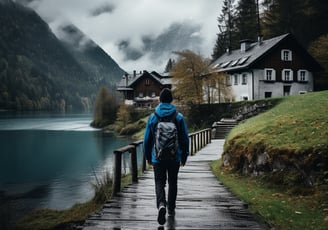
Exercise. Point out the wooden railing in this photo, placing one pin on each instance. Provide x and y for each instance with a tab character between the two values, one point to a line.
197	141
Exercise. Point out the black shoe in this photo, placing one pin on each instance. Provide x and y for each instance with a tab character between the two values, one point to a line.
161	215
171	213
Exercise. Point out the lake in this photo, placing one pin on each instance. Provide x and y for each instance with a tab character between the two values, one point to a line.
51	160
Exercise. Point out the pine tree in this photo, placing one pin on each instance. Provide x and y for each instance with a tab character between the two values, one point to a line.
246	19
226	35
169	66
281	16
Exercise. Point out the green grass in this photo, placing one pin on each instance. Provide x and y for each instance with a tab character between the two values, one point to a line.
297	122
273	204
295	131
51	219
47	219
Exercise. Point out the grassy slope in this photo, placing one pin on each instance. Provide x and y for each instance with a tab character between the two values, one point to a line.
298	122
297	125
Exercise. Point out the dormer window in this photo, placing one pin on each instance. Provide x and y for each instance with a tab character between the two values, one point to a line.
234	62
287	75
269	74
243	60
302	75
286	55
225	64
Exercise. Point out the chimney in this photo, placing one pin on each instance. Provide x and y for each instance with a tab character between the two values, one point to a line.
134	73
244	45
260	39
126	76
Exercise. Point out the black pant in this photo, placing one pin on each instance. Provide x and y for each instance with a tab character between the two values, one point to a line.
166	170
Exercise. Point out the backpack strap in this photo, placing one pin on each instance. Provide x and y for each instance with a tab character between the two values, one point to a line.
171	118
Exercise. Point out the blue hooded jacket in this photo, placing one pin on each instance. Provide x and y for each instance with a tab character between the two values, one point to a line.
163	110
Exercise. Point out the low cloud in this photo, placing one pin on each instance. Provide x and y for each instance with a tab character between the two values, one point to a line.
106	8
138	34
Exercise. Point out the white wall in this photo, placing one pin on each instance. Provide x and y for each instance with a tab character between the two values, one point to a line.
261	86
242	91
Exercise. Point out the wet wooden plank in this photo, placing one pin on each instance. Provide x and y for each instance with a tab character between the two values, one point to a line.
202	202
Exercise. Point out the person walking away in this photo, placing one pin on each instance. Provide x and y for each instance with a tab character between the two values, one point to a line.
166	148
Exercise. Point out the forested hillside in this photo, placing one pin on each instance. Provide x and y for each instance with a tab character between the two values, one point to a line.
40	72
93	60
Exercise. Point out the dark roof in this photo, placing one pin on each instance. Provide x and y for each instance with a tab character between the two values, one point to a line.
128	80
236	59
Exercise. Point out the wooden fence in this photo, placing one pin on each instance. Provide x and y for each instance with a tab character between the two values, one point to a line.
197	141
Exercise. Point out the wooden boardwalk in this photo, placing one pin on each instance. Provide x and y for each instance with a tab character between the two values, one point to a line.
202	203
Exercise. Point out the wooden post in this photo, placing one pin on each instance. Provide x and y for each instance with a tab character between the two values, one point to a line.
194	142
198	142
134	164
117	172
203	138
191	145
144	164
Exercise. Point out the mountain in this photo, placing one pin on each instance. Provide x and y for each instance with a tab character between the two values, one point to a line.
40	72
90	56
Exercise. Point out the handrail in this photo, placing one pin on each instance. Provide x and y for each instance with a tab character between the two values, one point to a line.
197	139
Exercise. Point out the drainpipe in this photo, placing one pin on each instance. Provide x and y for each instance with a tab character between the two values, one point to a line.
253	85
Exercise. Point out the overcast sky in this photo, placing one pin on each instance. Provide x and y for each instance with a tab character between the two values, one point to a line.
109	22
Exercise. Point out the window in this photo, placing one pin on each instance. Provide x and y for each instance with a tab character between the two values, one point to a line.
228	80
140	94
153	94
287	75
269	74
244	79
147	82
287	90
267	94
286	55
302	75
235	81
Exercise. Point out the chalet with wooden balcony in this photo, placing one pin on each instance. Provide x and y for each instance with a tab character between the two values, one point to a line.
143	89
279	66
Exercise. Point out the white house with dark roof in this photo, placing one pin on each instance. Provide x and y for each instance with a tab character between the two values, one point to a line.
279	66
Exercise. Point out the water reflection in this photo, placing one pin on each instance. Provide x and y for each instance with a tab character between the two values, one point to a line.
54	167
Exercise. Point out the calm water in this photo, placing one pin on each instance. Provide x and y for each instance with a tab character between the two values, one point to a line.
51	161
